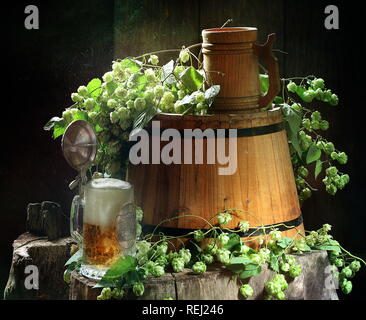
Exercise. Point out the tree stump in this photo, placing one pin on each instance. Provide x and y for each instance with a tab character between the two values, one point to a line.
315	283
49	257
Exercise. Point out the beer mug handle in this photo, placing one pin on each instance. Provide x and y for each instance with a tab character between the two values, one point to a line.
126	228
75	224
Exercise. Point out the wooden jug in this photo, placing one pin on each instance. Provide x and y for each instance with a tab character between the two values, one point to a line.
230	59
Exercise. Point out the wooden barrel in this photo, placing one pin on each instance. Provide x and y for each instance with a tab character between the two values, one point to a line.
263	184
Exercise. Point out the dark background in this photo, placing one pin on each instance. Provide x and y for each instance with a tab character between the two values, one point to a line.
77	41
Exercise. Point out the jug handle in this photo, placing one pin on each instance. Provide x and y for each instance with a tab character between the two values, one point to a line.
126	228
265	52
74	220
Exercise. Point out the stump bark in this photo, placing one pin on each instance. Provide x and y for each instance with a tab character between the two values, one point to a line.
47	219
315	283
49	258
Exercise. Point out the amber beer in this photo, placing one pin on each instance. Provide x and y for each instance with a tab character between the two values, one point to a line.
101	246
103	234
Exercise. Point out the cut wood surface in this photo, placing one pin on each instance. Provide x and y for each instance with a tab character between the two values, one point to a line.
315	283
49	257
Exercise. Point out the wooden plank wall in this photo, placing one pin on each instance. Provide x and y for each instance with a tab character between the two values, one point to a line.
335	55
144	26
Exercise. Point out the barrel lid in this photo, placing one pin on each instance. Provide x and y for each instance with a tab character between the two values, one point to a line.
229	35
222	120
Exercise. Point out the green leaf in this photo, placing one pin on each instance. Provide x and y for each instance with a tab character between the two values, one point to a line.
333	242
59	126
133	65
94	88
121	267
192	79
105	283
141	82
300	91
188	99
240	260
264	83
235	268
250	270
328	248
292	117
284	242
96	107
292	124
313	154
50	124
278	100
251	251
131	277
294	139
80	115
98	128
75	257
318	168
111	86
143	119
74	266
167	73
211	93
59	129
273	263
234	240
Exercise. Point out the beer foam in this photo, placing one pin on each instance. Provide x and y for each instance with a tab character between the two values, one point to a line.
109	183
104	200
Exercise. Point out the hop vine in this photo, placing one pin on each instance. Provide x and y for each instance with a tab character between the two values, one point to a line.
309	150
129	96
156	255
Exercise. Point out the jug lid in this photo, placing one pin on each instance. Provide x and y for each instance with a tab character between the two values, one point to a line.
79	145
229	34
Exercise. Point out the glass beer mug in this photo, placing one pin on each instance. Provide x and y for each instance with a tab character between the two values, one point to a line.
103	222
